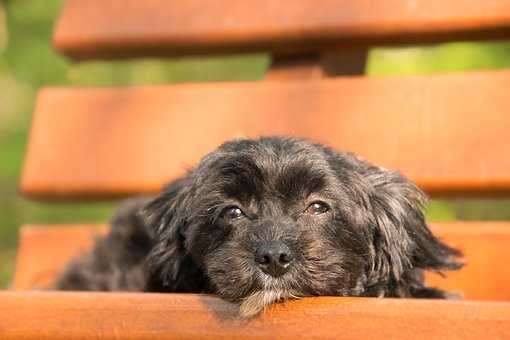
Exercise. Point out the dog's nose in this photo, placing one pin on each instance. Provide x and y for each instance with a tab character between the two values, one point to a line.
274	258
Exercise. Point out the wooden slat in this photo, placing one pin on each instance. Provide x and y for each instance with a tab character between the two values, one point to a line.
484	244
123	28
449	133
44	250
38	315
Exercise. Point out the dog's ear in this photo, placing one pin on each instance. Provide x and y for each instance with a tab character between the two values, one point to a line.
166	216
401	237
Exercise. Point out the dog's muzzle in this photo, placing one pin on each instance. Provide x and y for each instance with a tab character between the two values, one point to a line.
274	258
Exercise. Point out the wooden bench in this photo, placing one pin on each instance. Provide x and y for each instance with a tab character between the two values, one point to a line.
446	132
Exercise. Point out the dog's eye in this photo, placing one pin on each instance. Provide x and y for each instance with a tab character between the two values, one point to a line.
317	208
233	213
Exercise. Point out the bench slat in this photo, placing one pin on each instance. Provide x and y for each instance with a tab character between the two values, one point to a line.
125	28
44	250
483	244
38	315
449	133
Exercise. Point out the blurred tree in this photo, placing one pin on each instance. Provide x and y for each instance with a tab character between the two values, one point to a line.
459	56
3	29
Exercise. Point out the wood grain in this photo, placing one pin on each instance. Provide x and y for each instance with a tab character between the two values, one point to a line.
448	133
124	28
45	315
44	250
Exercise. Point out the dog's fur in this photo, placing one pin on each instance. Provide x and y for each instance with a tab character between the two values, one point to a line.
372	240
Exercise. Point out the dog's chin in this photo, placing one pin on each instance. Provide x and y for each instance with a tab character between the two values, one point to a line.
273	290
258	301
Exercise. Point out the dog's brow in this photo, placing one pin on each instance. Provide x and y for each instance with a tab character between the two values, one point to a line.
300	180
243	179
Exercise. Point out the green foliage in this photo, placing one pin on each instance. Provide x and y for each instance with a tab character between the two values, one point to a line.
6	265
3	30
29	54
158	71
440	211
441	58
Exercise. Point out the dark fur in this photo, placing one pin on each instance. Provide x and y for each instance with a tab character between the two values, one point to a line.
373	241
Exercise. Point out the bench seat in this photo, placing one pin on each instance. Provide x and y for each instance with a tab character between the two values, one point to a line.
60	315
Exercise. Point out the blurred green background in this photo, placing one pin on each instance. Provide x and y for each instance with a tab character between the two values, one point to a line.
28	62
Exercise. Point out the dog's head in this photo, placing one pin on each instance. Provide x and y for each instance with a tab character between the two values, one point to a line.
258	221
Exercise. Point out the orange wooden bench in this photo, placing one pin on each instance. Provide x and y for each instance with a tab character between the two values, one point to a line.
446	132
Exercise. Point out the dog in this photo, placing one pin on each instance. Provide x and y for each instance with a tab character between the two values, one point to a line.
262	221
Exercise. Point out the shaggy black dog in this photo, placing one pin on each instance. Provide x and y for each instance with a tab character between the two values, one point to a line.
260	221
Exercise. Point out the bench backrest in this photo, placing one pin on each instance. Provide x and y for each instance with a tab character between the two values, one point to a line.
446	132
